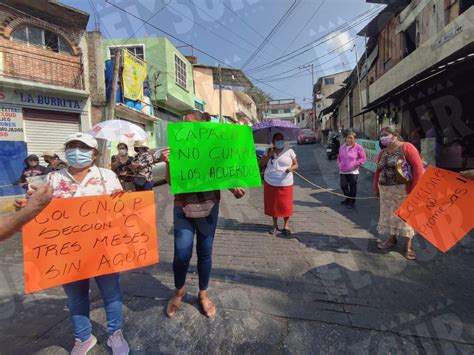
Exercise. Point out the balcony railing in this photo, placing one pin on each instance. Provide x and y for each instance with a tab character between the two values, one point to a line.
37	68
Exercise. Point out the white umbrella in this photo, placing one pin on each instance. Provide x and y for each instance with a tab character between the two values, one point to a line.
118	131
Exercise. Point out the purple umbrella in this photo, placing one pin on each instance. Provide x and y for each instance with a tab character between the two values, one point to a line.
263	132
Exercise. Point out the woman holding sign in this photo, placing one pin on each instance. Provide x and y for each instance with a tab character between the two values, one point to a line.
399	168
279	164
83	178
194	214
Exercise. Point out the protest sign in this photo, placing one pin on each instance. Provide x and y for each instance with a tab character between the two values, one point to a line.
78	238
440	207
211	156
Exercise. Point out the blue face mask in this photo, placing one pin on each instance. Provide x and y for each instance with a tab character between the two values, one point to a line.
79	158
279	144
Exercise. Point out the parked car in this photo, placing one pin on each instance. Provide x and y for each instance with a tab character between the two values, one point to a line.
306	136
159	168
260	151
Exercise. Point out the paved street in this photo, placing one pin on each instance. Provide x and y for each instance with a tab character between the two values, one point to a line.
326	289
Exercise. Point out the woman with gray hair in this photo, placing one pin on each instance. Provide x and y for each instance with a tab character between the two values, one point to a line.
399	168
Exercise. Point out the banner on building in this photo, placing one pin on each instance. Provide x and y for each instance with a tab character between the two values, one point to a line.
79	238
133	76
372	150
11	123
211	156
440	207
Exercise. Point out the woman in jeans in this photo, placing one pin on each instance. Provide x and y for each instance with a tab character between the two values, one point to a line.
185	228
351	157
392	190
83	178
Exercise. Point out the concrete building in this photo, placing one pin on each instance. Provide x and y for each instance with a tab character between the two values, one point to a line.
420	80
44	86
170	83
304	117
237	106
323	88
281	109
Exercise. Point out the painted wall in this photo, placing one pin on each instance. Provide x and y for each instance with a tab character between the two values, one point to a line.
159	54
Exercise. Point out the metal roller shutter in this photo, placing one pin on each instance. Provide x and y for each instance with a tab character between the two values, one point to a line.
47	130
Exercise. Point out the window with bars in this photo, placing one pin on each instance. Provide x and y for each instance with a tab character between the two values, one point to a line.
137	51
39	37
180	70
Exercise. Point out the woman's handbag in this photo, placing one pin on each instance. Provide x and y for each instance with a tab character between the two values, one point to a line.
199	210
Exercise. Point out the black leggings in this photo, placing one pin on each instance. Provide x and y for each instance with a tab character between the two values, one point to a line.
349	186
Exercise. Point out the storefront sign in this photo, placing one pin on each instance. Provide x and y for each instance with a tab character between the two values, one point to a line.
372	150
78	238
42	100
211	156
134	74
440	207
11	123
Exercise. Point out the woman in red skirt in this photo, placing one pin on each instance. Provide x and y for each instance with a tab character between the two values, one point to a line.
279	164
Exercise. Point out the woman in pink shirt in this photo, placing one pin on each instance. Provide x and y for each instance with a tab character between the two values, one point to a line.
351	157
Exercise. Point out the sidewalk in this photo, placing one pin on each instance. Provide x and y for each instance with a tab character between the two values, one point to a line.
326	289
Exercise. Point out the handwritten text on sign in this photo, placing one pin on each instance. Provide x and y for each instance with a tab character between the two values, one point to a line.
79	238
211	156
440	207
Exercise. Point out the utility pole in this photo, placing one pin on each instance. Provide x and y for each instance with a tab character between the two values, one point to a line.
117	61
221	119
313	103
358	83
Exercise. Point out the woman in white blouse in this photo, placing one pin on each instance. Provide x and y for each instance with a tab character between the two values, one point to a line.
279	164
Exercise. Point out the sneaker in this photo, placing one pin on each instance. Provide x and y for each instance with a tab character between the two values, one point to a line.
118	343
83	347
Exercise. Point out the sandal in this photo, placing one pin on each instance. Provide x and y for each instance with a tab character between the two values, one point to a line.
273	230
173	304
410	254
390	243
207	306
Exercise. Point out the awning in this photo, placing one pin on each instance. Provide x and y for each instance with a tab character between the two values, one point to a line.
430	73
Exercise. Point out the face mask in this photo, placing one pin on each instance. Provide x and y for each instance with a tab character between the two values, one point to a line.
79	158
123	151
279	144
386	140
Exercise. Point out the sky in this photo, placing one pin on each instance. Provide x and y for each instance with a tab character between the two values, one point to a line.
269	39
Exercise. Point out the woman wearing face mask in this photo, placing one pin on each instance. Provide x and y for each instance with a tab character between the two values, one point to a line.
122	166
351	156
279	164
83	178
143	165
393	190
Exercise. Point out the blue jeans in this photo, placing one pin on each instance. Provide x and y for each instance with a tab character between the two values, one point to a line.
79	306
184	230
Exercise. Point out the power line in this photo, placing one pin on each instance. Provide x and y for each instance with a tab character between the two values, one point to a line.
151	17
167	33
226	27
315	60
246	23
272	32
366	15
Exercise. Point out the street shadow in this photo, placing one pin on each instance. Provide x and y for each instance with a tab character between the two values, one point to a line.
334	243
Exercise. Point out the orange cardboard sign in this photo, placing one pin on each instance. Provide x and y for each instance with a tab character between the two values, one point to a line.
440	207
78	238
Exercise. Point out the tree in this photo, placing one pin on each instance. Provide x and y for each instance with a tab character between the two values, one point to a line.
259	97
